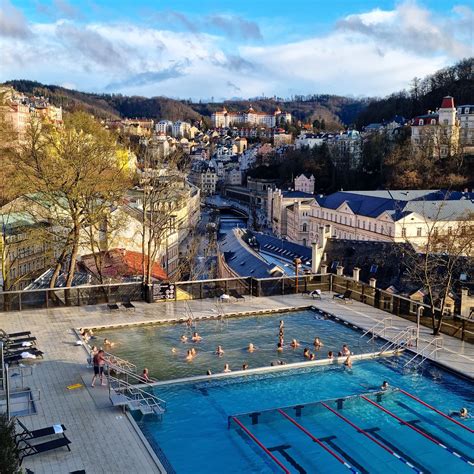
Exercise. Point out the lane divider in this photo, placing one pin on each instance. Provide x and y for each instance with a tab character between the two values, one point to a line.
251	436
414	428
316	440
436	410
375	440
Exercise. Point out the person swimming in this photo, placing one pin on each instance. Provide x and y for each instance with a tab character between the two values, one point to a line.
294	343
196	337
280	347
317	343
108	343
282	325
345	351
184	338
208	372
384	385
463	413
193	351
245	366
330	355
189	355
251	347
312	356
306	353
219	351
173	350
227	368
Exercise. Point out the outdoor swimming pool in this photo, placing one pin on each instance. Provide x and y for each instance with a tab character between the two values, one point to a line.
194	435
151	346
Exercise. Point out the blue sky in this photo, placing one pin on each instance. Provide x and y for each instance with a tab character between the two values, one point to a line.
211	49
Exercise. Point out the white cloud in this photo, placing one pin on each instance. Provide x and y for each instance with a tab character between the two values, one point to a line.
373	53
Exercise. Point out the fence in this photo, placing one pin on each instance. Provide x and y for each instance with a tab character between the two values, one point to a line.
406	308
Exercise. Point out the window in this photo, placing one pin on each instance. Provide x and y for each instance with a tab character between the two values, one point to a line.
445	121
404	232
375	227
305	228
421	122
450	230
433	122
418	231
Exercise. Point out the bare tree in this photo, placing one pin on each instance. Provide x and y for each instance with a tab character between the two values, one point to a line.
435	263
69	177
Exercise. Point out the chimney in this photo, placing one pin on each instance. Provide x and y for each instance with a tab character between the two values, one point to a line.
324	269
340	270
355	273
372	282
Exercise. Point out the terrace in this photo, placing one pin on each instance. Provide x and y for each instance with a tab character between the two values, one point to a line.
104	439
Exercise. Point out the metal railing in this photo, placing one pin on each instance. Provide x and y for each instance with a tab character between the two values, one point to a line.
379	329
428	350
395	304
404	338
128	389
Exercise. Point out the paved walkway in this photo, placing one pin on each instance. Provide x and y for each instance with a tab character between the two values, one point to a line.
103	439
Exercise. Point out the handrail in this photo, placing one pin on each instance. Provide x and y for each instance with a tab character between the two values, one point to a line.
421	353
436	410
407	333
376	441
422	433
253	438
316	440
372	329
118	362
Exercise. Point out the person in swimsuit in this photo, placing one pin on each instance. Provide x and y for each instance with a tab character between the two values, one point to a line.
294	343
219	351
345	351
196	337
98	362
306	353
145	375
280	347
330	355
227	368
189	355
184	338
251	347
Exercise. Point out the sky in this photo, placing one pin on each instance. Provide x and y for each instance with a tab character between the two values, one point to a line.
211	50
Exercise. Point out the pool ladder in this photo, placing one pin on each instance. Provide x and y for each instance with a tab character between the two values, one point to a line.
430	348
403	339
135	396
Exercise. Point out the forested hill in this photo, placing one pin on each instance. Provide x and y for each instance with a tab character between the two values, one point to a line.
424	94
336	111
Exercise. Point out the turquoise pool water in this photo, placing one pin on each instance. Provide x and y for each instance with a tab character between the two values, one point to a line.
151	346
194	436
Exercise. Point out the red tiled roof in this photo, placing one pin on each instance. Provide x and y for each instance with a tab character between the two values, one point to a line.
120	263
447	103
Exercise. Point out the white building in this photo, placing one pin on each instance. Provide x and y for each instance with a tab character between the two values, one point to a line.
234	177
396	216
304	184
165	127
224	118
278	202
437	133
309	140
466	124
181	129
298	217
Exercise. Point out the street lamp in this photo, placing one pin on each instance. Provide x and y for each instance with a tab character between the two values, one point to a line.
297	262
419	312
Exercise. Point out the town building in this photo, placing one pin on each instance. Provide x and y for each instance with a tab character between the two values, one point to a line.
281	139
465	115
304	183
165	127
437	133
278	202
204	175
224	118
180	129
390	216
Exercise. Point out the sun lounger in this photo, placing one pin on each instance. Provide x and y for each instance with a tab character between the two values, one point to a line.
128	305
13	335
235	294
27	434
113	306
9	346
19	340
29	449
346	296
315	294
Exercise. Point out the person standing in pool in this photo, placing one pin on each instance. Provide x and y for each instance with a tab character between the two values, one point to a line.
227	368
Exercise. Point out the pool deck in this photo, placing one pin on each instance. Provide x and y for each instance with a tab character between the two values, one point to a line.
103	439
